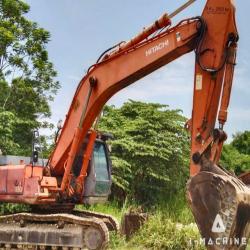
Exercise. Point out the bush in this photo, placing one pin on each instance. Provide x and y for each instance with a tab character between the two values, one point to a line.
236	155
6	208
161	232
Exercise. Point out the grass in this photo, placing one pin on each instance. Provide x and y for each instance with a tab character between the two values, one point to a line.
161	232
177	209
111	208
170	226
13	208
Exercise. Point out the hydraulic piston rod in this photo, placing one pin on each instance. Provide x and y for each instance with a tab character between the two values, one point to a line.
163	21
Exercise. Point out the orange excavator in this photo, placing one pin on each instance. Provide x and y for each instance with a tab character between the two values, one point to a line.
79	169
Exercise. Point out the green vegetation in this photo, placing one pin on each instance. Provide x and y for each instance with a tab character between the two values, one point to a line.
150	155
150	151
110	207
163	233
236	155
170	226
27	82
140	130
13	208
26	78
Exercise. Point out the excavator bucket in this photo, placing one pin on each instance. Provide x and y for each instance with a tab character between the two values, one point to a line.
220	203
245	177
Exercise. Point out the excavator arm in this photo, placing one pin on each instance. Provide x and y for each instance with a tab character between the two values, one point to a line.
213	37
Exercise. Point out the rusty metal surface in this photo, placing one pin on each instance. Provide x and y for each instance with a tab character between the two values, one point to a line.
56	231
132	222
245	177
211	195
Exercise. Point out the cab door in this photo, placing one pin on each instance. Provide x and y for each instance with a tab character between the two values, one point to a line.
102	168
97	186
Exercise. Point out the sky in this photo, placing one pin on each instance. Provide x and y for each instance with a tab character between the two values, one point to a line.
82	29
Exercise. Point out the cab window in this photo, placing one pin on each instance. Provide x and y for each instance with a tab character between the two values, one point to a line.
100	162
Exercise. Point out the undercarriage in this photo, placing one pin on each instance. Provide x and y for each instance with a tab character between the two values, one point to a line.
78	230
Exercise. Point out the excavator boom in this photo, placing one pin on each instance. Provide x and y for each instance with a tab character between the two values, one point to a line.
119	69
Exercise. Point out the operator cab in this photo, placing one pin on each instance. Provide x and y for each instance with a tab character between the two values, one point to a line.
98	181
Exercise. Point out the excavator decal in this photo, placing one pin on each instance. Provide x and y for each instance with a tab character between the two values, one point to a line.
158	47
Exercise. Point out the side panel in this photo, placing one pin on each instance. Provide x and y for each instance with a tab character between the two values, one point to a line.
15	179
25	184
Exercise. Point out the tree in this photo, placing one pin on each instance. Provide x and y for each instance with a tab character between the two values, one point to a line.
241	141
7	120
27	76
236	155
150	152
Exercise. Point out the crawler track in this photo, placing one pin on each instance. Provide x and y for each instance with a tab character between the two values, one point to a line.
111	222
56	231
